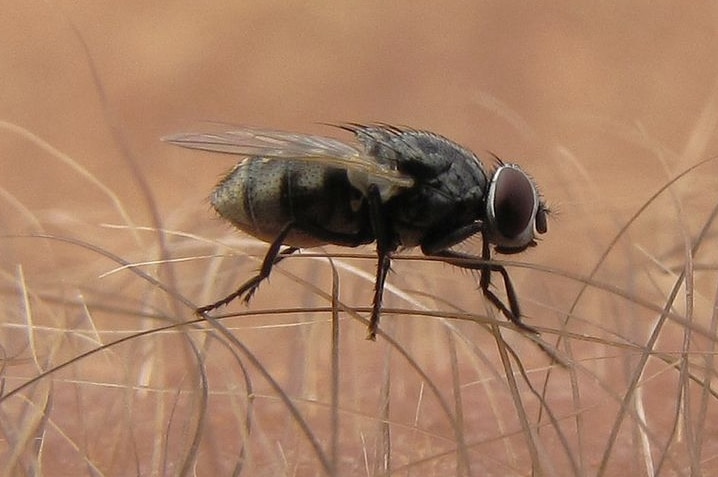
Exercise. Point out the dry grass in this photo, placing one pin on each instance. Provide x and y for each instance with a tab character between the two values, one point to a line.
106	247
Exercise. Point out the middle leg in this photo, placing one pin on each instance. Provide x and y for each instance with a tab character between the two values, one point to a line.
384	247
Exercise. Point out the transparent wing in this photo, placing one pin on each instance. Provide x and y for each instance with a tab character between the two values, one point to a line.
252	142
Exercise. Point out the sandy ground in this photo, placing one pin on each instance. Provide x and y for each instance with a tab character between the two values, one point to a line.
107	243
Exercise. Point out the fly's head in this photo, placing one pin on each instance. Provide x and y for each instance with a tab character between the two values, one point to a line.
515	211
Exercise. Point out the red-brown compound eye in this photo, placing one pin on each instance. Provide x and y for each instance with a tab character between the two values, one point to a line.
514	210
514	202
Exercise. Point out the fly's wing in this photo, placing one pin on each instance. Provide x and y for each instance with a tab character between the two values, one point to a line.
252	142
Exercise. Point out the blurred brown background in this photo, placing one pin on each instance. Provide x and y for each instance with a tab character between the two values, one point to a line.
602	102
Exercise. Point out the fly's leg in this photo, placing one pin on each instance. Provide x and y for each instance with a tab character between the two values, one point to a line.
248	288
251	285
512	312
382	269
384	247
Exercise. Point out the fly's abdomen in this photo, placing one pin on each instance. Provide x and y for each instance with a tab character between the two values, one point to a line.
261	196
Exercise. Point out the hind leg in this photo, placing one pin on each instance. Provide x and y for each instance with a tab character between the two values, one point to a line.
273	257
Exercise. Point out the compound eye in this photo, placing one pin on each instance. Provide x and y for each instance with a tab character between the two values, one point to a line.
514	203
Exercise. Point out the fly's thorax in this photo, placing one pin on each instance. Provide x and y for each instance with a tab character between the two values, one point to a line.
448	194
430	211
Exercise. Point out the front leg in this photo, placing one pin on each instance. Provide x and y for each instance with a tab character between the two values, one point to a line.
485	267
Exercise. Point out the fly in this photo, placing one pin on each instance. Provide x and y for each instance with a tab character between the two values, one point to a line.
398	187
